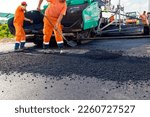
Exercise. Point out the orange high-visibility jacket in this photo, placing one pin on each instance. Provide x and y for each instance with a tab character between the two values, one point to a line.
144	19
19	16
56	8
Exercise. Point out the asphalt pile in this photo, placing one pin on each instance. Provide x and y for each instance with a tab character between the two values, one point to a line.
95	63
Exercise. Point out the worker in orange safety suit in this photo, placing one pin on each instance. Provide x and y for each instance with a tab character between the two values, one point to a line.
55	12
18	24
144	18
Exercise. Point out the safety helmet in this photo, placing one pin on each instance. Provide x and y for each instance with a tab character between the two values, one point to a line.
24	3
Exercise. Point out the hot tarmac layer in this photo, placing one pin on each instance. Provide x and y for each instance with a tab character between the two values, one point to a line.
105	69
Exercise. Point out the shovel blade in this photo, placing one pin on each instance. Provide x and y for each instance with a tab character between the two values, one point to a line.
72	43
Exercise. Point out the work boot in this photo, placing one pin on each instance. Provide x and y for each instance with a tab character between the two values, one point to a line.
45	46
22	45
17	46
61	48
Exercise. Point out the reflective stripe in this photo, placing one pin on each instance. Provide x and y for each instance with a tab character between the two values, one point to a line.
23	41
17	42
46	43
60	42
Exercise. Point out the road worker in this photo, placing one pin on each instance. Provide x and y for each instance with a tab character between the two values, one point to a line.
144	18
54	13
18	23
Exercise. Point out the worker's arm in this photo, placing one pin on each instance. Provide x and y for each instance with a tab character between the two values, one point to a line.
63	12
59	20
29	20
39	5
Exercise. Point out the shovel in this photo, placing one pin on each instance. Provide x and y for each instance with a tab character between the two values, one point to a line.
70	43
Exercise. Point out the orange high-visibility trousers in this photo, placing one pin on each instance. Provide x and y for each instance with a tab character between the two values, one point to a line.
48	30
20	34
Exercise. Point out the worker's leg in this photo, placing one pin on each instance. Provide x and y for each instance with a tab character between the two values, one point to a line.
23	38
58	37
17	43
47	31
17	36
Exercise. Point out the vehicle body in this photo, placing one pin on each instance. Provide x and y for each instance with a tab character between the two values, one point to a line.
127	25
123	30
81	17
82	21
131	18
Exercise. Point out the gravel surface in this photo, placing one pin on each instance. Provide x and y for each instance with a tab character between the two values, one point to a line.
106	69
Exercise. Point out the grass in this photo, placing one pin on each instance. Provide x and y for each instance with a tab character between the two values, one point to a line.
4	32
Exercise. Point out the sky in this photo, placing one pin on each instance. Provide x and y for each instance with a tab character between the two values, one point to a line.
134	5
130	5
9	6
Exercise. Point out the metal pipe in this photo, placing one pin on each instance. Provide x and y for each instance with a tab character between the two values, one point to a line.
117	37
149	6
119	15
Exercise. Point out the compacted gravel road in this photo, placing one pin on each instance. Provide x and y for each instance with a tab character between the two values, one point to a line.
104	69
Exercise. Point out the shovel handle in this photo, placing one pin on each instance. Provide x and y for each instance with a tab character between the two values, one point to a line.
55	28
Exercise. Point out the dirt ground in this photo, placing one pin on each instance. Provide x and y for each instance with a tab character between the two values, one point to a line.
7	40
